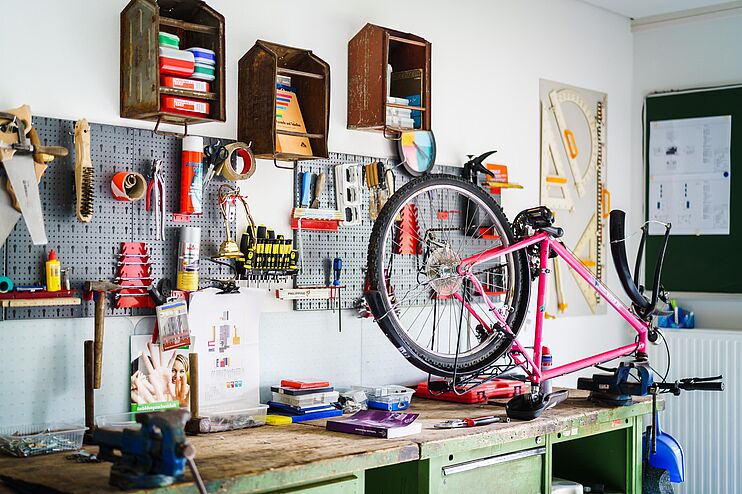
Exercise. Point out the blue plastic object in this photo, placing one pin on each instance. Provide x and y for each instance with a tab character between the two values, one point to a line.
669	455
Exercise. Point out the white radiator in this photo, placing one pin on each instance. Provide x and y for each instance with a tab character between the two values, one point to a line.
707	423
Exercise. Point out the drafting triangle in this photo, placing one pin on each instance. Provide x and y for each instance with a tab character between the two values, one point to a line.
586	251
555	193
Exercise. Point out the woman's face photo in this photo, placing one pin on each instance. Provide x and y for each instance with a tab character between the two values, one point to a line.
178	370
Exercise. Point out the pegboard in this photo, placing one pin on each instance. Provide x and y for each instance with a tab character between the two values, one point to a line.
351	243
90	250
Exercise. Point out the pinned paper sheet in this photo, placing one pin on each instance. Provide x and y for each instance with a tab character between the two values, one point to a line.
225	327
690	175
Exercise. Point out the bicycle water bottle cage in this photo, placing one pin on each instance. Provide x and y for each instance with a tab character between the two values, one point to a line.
538	219
643	307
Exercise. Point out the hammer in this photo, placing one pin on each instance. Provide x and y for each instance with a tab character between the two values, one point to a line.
101	288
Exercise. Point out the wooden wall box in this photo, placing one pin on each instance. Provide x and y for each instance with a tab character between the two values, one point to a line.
197	25
310	76
369	52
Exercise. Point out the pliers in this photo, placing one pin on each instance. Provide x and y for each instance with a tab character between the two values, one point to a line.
156	183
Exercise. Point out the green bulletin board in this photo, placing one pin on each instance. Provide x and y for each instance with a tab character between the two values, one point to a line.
700	263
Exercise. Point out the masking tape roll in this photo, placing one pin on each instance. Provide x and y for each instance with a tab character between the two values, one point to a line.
248	162
6	284
128	186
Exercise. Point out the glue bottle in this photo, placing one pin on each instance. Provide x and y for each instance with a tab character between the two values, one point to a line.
546	364
188	258
53	275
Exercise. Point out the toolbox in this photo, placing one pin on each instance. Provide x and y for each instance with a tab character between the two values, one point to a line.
176	62
307	400
497	388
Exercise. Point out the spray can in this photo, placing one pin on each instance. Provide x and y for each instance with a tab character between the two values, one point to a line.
191	175
188	258
546	364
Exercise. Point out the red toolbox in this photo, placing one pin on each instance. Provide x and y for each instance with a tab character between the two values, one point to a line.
497	388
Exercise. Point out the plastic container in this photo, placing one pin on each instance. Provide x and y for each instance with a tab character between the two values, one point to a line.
169	40
204	72
390	398
119	421
176	62
182	83
184	106
203	55
228	420
40	439
308	400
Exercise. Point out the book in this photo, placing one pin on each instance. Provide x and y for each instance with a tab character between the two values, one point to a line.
322	414
377	424
289	118
304	384
284	407
298	392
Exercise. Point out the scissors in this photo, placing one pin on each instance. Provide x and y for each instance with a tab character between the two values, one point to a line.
158	185
214	154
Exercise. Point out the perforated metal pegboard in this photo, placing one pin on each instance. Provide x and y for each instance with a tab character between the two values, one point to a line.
351	243
90	250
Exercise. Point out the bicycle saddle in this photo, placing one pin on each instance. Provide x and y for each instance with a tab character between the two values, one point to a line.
642	305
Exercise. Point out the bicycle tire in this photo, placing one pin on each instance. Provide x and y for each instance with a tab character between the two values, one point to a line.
426	361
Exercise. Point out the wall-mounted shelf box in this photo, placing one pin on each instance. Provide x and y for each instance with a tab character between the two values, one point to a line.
259	70
369	53
197	25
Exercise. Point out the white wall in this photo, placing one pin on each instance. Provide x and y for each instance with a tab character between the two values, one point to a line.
697	52
496	50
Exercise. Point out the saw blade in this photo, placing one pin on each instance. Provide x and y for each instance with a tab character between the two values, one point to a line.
21	174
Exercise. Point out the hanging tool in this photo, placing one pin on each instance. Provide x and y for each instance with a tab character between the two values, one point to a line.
83	172
157	184
319	186
100	288
24	161
214	156
306	189
373	179
337	267
153	455
472	422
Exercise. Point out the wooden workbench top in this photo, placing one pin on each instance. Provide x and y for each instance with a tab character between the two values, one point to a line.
285	455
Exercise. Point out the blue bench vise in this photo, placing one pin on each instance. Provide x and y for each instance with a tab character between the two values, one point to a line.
617	389
153	455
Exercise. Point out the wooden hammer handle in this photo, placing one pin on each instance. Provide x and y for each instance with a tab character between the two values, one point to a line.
193	390
100	316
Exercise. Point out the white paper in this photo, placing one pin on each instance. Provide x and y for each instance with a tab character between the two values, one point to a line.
225	327
690	175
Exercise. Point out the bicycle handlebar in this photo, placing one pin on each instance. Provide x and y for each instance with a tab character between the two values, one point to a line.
692	384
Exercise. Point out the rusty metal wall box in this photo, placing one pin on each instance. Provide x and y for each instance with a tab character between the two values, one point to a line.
369	52
310	76
197	25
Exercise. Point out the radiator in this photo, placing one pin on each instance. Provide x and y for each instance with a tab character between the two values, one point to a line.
707	423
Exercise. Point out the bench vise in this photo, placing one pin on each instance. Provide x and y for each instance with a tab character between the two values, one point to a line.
153	455
616	389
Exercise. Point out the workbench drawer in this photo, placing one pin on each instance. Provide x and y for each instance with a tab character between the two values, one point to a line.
518	472
345	485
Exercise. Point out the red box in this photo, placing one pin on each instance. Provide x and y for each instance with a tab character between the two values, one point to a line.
184	106
497	388
181	83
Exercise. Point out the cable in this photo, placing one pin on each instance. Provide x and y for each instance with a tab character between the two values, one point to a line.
667	350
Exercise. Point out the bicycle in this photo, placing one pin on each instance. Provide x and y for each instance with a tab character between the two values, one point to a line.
473	265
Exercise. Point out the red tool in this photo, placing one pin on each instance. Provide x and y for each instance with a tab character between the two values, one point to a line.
408	238
473	422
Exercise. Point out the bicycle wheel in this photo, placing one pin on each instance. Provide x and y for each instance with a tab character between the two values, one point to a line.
416	293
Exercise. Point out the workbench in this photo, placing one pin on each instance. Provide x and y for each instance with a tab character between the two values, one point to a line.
576	440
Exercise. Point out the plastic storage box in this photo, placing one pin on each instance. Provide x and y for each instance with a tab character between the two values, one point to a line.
40	439
181	83
169	40
176	62
185	106
218	420
307	400
390	398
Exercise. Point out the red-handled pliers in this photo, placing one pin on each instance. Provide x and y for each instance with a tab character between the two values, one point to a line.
156	183
472	422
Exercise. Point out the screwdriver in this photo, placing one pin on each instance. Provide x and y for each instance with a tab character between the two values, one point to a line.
337	267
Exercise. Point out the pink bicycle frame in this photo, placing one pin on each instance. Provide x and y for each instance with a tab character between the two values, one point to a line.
517	351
